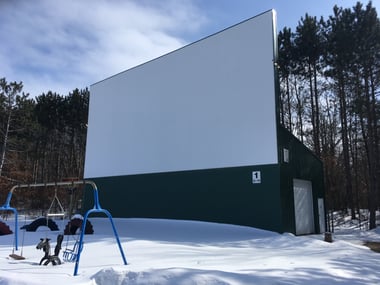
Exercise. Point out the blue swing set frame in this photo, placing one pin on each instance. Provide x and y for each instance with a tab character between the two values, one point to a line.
96	209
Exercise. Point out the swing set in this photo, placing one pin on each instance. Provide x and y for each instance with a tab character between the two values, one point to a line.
70	255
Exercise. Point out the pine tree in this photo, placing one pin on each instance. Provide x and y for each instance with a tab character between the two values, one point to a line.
8	94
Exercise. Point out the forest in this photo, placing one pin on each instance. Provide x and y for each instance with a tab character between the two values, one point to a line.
43	139
329	72
329	82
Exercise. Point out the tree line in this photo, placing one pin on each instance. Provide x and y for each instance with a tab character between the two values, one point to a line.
43	138
329	73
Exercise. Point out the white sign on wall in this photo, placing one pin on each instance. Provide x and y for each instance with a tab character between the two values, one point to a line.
256	177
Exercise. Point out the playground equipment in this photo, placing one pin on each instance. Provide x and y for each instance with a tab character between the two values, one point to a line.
15	255
76	223
44	244
55	210
72	227
58	210
70	255
33	226
4	229
96	209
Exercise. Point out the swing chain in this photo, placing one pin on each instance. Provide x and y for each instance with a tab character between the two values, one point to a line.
61	210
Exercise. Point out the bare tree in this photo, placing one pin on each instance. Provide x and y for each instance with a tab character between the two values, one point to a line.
8	92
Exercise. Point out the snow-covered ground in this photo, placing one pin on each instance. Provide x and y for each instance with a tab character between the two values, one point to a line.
186	253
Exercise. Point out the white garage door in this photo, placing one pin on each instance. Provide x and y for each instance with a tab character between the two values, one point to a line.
303	206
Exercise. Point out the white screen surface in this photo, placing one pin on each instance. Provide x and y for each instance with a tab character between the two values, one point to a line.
210	104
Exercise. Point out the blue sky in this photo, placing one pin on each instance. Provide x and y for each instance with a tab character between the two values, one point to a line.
60	45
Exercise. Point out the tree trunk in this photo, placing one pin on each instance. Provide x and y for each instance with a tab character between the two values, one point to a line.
289	104
312	107
299	110
5	142
376	193
371	155
345	146
317	124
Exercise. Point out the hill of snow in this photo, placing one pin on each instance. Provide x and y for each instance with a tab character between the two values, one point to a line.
185	253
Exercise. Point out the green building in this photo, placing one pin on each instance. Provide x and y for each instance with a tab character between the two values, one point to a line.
195	135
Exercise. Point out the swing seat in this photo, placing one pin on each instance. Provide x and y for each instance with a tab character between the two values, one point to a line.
55	215
16	256
70	255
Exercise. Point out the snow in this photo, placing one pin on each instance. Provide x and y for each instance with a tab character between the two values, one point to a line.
189	252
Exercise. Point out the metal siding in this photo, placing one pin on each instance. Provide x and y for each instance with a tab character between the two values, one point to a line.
225	195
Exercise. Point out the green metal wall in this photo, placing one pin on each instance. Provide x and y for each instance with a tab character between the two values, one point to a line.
225	195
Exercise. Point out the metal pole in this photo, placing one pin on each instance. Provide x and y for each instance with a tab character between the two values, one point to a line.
96	209
83	228
7	206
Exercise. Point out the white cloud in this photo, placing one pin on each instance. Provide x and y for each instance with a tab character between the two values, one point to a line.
59	46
